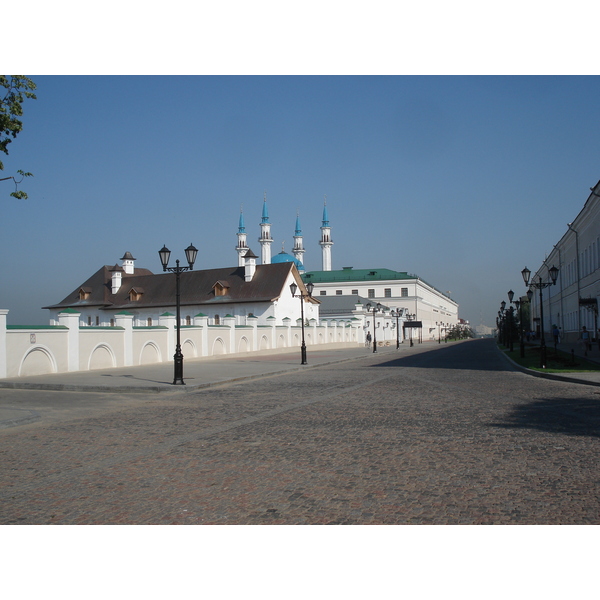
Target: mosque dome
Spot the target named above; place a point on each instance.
(283, 257)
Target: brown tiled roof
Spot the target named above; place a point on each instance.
(196, 287)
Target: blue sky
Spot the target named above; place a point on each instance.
(462, 180)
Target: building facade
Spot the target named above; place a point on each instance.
(394, 290)
(572, 303)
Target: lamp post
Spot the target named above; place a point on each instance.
(410, 318)
(309, 289)
(190, 255)
(540, 285)
(376, 307)
(397, 313)
(511, 318)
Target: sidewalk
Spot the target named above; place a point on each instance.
(197, 373)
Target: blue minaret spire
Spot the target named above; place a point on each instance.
(298, 249)
(242, 227)
(265, 213)
(326, 242)
(325, 215)
(242, 247)
(265, 238)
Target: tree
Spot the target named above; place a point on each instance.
(18, 87)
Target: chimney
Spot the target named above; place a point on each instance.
(117, 273)
(249, 264)
(128, 266)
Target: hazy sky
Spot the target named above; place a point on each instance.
(462, 180)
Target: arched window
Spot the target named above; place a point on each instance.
(149, 321)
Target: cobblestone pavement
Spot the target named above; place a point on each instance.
(438, 435)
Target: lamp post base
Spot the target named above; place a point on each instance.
(303, 354)
(178, 374)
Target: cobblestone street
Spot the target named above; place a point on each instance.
(446, 434)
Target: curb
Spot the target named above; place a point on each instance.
(553, 376)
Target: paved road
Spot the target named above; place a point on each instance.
(448, 434)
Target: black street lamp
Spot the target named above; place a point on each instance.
(376, 307)
(511, 318)
(309, 289)
(540, 285)
(397, 313)
(410, 318)
(190, 255)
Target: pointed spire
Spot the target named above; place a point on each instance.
(325, 215)
(265, 212)
(242, 228)
(298, 228)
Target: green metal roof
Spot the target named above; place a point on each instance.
(350, 274)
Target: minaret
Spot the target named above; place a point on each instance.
(298, 249)
(242, 247)
(265, 238)
(326, 242)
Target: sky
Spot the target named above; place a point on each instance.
(461, 180)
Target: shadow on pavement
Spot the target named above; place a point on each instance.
(566, 416)
(478, 355)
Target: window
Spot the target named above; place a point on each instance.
(221, 288)
(135, 294)
(355, 292)
(338, 292)
(323, 292)
(217, 320)
(388, 292)
(97, 321)
(112, 322)
(404, 292)
(149, 321)
(188, 320)
(89, 321)
(371, 294)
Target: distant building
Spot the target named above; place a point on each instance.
(394, 290)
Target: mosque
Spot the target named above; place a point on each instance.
(345, 293)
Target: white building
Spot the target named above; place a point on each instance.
(573, 302)
(396, 290)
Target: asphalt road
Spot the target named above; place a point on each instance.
(435, 434)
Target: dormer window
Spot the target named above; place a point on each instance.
(221, 288)
(135, 295)
(84, 293)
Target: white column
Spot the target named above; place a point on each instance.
(3, 353)
(229, 321)
(125, 320)
(168, 320)
(201, 320)
(70, 318)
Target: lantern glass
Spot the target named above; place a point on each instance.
(553, 274)
(164, 254)
(190, 254)
(511, 295)
(293, 288)
(310, 287)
